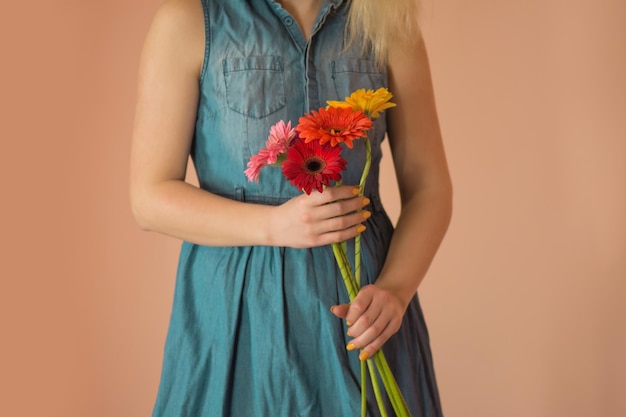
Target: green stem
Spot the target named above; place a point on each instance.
(353, 283)
(363, 389)
(344, 268)
(344, 251)
(344, 254)
(376, 386)
(346, 273)
(357, 260)
(393, 396)
(357, 239)
(368, 163)
(344, 245)
(391, 386)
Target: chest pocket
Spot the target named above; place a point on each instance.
(255, 85)
(351, 74)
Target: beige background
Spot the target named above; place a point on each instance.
(524, 301)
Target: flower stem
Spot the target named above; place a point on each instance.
(357, 239)
(346, 273)
(376, 386)
(344, 244)
(368, 163)
(363, 389)
(353, 283)
(391, 386)
(344, 268)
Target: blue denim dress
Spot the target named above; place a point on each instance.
(251, 334)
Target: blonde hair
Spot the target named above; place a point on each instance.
(378, 23)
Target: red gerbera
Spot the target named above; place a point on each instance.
(334, 125)
(311, 165)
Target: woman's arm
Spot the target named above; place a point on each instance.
(426, 197)
(168, 92)
(422, 171)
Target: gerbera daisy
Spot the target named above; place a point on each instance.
(369, 102)
(278, 140)
(256, 163)
(334, 125)
(312, 166)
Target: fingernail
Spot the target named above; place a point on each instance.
(364, 355)
(366, 214)
(366, 201)
(331, 309)
(348, 333)
(360, 229)
(349, 323)
(355, 191)
(351, 347)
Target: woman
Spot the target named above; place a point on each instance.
(251, 333)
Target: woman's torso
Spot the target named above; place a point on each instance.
(257, 69)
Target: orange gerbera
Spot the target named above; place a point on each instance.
(334, 126)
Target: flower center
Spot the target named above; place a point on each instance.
(314, 165)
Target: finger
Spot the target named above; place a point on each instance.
(364, 334)
(340, 208)
(339, 223)
(371, 348)
(337, 236)
(340, 310)
(369, 325)
(334, 194)
(375, 336)
(314, 208)
(361, 303)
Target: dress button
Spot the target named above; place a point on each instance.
(288, 21)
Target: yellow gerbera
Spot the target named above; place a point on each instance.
(370, 102)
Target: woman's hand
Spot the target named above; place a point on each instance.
(319, 218)
(373, 317)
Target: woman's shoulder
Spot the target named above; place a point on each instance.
(177, 32)
(181, 11)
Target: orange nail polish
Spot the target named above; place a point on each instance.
(355, 191)
(349, 323)
(361, 229)
(366, 214)
(366, 201)
(351, 347)
(364, 355)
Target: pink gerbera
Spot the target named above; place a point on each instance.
(334, 125)
(281, 135)
(312, 166)
(256, 163)
(278, 140)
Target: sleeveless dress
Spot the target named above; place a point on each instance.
(251, 333)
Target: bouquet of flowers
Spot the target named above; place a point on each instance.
(310, 157)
